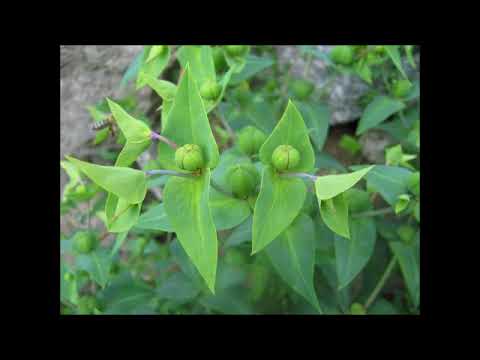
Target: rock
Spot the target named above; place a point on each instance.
(373, 144)
(88, 74)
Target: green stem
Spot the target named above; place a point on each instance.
(307, 65)
(167, 172)
(381, 282)
(373, 213)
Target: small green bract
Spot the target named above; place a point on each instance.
(285, 157)
(189, 157)
(243, 179)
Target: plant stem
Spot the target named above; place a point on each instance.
(373, 213)
(226, 126)
(381, 282)
(167, 172)
(300, 175)
(161, 138)
(307, 65)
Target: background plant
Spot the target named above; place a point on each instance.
(229, 229)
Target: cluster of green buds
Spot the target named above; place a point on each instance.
(285, 158)
(250, 139)
(243, 180)
(189, 157)
(84, 242)
(342, 54)
(302, 89)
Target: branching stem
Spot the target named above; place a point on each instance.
(163, 139)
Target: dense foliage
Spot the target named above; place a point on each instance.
(226, 199)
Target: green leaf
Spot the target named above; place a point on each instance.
(241, 234)
(68, 289)
(120, 214)
(135, 131)
(378, 111)
(363, 70)
(329, 186)
(178, 288)
(406, 255)
(119, 241)
(165, 89)
(74, 176)
(97, 264)
(279, 202)
(155, 218)
(316, 117)
(187, 123)
(155, 51)
(293, 257)
(353, 254)
(394, 54)
(402, 202)
(126, 183)
(237, 64)
(334, 213)
(186, 204)
(290, 130)
(209, 104)
(200, 60)
(409, 53)
(389, 181)
(254, 65)
(227, 212)
(153, 68)
(350, 144)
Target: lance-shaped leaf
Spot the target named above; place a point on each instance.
(279, 202)
(407, 255)
(74, 176)
(165, 89)
(154, 67)
(187, 123)
(316, 117)
(126, 183)
(135, 131)
(334, 213)
(290, 130)
(200, 61)
(394, 54)
(186, 204)
(329, 186)
(351, 255)
(378, 111)
(293, 257)
(211, 104)
(120, 214)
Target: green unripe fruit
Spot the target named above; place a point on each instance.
(357, 309)
(302, 89)
(236, 50)
(243, 180)
(250, 139)
(86, 305)
(342, 54)
(210, 90)
(84, 242)
(189, 157)
(379, 49)
(285, 157)
(401, 88)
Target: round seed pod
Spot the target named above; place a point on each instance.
(342, 54)
(285, 157)
(189, 157)
(243, 179)
(250, 139)
(210, 90)
(357, 309)
(84, 242)
(236, 50)
(401, 88)
(302, 89)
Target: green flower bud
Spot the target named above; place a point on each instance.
(250, 139)
(236, 50)
(342, 54)
(285, 157)
(302, 89)
(84, 242)
(189, 157)
(219, 60)
(68, 276)
(210, 90)
(401, 88)
(243, 179)
(357, 309)
(379, 49)
(86, 304)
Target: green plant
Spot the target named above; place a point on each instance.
(240, 209)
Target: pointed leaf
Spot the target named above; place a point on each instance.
(254, 64)
(394, 54)
(154, 67)
(334, 213)
(279, 202)
(186, 204)
(200, 59)
(329, 186)
(378, 111)
(407, 258)
(155, 218)
(187, 123)
(120, 214)
(155, 51)
(133, 69)
(353, 254)
(290, 130)
(126, 183)
(316, 117)
(134, 130)
(210, 105)
(165, 89)
(293, 257)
